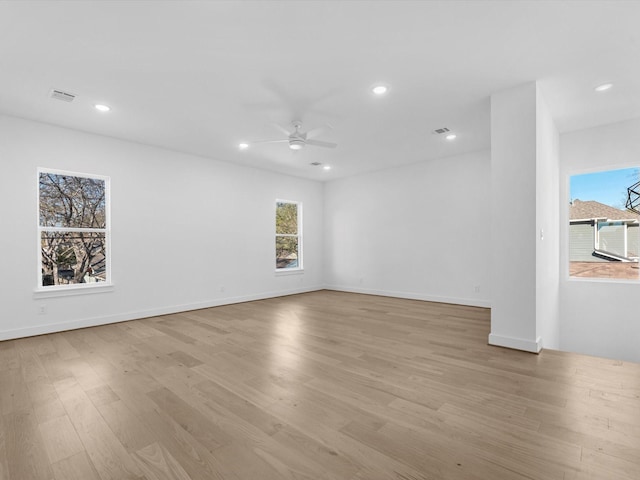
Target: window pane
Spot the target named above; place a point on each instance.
(287, 218)
(73, 202)
(286, 252)
(604, 225)
(73, 257)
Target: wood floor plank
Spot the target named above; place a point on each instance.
(60, 438)
(9, 358)
(131, 432)
(4, 472)
(200, 427)
(31, 366)
(26, 456)
(63, 348)
(56, 368)
(102, 395)
(45, 401)
(158, 464)
(194, 458)
(14, 395)
(107, 454)
(76, 467)
(319, 386)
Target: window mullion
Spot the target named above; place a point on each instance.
(72, 229)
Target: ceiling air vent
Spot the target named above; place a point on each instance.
(64, 96)
(315, 164)
(440, 131)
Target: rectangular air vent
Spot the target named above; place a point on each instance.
(440, 131)
(315, 164)
(64, 96)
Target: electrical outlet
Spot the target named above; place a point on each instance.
(42, 310)
(222, 289)
(476, 289)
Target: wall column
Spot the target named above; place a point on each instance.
(520, 210)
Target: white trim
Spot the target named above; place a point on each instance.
(516, 343)
(630, 281)
(58, 171)
(565, 216)
(73, 229)
(283, 272)
(135, 315)
(299, 235)
(469, 302)
(80, 288)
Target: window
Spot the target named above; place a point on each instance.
(604, 225)
(288, 235)
(73, 229)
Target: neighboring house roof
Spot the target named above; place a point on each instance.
(589, 209)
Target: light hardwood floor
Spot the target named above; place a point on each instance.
(324, 385)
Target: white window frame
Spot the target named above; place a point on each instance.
(568, 175)
(300, 267)
(78, 288)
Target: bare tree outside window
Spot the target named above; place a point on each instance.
(288, 235)
(73, 230)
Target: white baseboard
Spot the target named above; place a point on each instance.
(126, 316)
(516, 343)
(471, 302)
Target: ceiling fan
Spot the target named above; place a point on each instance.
(298, 139)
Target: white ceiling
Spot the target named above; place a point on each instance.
(200, 77)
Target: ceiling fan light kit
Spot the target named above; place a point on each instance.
(296, 143)
(297, 139)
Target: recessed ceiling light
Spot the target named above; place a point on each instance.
(604, 87)
(380, 89)
(102, 108)
(243, 146)
(327, 167)
(451, 136)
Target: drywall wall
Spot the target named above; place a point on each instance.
(548, 226)
(418, 231)
(187, 232)
(525, 253)
(513, 214)
(598, 317)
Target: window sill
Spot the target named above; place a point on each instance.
(289, 271)
(52, 292)
(603, 280)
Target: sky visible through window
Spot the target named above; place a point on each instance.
(608, 187)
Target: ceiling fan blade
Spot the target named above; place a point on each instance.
(280, 128)
(317, 131)
(269, 141)
(320, 143)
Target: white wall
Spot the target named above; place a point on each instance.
(419, 231)
(597, 317)
(525, 221)
(548, 226)
(183, 228)
(513, 212)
